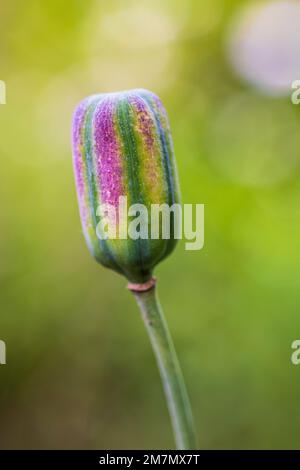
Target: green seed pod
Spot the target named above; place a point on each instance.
(123, 153)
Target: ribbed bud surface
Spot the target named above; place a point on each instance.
(122, 146)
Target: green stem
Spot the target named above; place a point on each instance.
(172, 379)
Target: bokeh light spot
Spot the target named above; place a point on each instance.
(263, 45)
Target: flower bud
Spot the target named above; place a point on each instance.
(123, 155)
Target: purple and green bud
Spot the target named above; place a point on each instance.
(123, 147)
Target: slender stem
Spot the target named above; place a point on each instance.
(172, 379)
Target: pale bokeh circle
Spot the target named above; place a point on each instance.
(264, 45)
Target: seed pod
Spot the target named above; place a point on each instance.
(122, 147)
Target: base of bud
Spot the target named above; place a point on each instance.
(143, 287)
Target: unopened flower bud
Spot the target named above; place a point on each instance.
(123, 156)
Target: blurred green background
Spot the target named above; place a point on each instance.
(80, 371)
